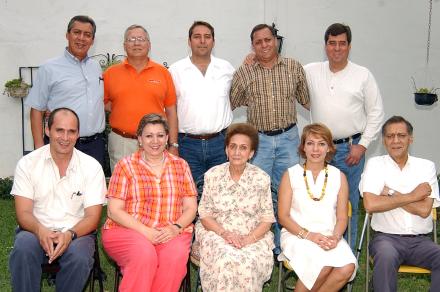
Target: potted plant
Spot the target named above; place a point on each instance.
(16, 88)
(424, 95)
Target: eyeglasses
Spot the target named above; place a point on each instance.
(132, 40)
(400, 136)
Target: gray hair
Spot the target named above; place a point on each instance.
(153, 119)
(134, 26)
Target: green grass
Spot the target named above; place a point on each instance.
(8, 224)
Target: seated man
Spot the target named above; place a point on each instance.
(400, 191)
(59, 192)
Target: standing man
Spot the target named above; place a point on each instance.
(345, 97)
(59, 192)
(270, 88)
(202, 84)
(134, 88)
(72, 80)
(400, 191)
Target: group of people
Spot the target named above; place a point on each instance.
(250, 173)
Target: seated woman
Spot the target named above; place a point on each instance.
(313, 209)
(235, 217)
(151, 205)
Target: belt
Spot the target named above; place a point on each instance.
(345, 140)
(204, 136)
(278, 131)
(403, 235)
(88, 139)
(124, 134)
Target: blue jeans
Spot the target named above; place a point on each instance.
(27, 256)
(353, 174)
(275, 155)
(201, 155)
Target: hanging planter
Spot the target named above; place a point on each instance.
(425, 98)
(16, 88)
(423, 95)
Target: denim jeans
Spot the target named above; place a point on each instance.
(353, 174)
(28, 255)
(201, 155)
(275, 155)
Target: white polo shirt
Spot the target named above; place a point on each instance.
(348, 101)
(383, 171)
(59, 203)
(203, 105)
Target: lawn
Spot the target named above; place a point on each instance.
(8, 224)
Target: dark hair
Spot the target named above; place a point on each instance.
(153, 119)
(260, 27)
(243, 129)
(397, 120)
(336, 29)
(83, 19)
(202, 23)
(319, 130)
(54, 112)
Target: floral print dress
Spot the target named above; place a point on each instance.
(238, 207)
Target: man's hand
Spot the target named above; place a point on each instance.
(62, 241)
(250, 59)
(355, 155)
(173, 150)
(45, 236)
(422, 191)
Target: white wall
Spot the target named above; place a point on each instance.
(389, 37)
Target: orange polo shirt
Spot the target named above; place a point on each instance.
(133, 95)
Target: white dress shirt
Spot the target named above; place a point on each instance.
(59, 202)
(348, 101)
(203, 105)
(383, 171)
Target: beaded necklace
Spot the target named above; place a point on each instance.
(323, 187)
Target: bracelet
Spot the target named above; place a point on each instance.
(302, 233)
(308, 232)
(337, 235)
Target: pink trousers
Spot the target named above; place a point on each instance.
(144, 266)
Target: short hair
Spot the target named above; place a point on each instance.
(55, 111)
(319, 130)
(200, 23)
(83, 19)
(242, 129)
(134, 26)
(152, 119)
(397, 120)
(336, 29)
(260, 27)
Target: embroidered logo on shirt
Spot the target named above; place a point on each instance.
(154, 81)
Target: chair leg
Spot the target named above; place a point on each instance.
(198, 283)
(117, 278)
(280, 274)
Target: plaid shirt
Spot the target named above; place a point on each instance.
(154, 202)
(270, 94)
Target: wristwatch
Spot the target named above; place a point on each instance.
(175, 145)
(74, 235)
